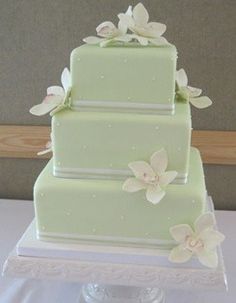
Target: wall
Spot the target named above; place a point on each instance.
(36, 40)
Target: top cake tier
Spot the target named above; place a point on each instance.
(124, 78)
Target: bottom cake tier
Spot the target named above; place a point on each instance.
(99, 210)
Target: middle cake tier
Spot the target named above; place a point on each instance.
(102, 144)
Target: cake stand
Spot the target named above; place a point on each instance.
(110, 274)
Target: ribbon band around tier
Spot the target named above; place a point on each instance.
(103, 173)
(130, 107)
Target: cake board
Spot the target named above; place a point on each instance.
(128, 271)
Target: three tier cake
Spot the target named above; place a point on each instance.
(123, 171)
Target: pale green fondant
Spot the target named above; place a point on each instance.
(99, 208)
(124, 74)
(98, 140)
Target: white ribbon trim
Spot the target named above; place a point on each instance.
(107, 106)
(103, 173)
(111, 239)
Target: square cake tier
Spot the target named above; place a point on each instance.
(96, 144)
(124, 77)
(99, 210)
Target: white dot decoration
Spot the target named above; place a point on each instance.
(129, 98)
(193, 201)
(78, 59)
(153, 78)
(109, 125)
(58, 124)
(168, 218)
(111, 165)
(147, 234)
(68, 213)
(179, 148)
(94, 196)
(169, 99)
(43, 228)
(102, 77)
(125, 60)
(58, 163)
(94, 230)
(42, 194)
(122, 218)
(133, 147)
(84, 146)
(156, 127)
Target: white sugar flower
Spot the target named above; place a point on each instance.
(143, 31)
(185, 93)
(201, 242)
(109, 33)
(57, 97)
(47, 150)
(153, 177)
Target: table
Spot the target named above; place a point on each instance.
(15, 216)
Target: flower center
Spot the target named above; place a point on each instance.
(150, 180)
(193, 244)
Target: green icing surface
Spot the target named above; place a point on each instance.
(98, 208)
(112, 140)
(124, 74)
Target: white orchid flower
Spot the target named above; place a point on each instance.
(143, 31)
(109, 33)
(202, 241)
(185, 93)
(153, 177)
(47, 150)
(57, 97)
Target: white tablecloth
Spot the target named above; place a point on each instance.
(15, 217)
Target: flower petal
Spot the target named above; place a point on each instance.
(122, 26)
(126, 20)
(129, 11)
(180, 232)
(179, 255)
(156, 28)
(142, 170)
(181, 78)
(55, 90)
(201, 102)
(208, 258)
(66, 79)
(159, 161)
(107, 29)
(57, 109)
(204, 221)
(142, 40)
(42, 109)
(154, 194)
(132, 185)
(106, 42)
(124, 38)
(92, 40)
(158, 41)
(167, 177)
(43, 152)
(140, 15)
(194, 92)
(53, 99)
(49, 144)
(211, 238)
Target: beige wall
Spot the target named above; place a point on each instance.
(36, 40)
